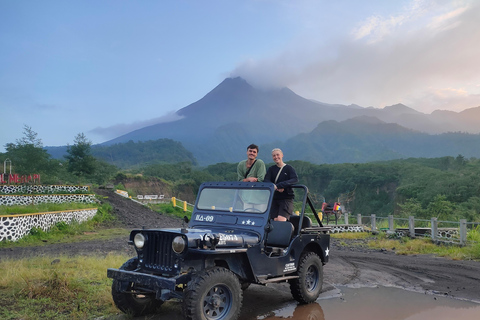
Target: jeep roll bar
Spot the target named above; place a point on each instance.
(306, 199)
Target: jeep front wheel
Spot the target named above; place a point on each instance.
(307, 287)
(214, 294)
(129, 299)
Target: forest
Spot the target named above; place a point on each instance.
(446, 187)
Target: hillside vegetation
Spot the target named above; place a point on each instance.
(445, 187)
(133, 154)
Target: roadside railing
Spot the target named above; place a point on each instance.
(437, 230)
(182, 204)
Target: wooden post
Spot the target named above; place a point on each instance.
(359, 219)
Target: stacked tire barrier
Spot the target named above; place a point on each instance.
(347, 228)
(29, 189)
(15, 226)
(25, 200)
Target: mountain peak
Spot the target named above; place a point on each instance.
(217, 127)
(399, 109)
(222, 94)
(237, 84)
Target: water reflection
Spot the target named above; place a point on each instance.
(305, 312)
(379, 303)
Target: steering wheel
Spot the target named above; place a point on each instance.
(252, 210)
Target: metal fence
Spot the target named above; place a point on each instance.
(437, 230)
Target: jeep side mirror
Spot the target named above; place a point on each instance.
(185, 220)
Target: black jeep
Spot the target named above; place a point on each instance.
(230, 243)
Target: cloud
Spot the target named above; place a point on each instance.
(385, 60)
(445, 99)
(444, 21)
(121, 129)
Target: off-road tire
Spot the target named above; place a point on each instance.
(129, 302)
(214, 294)
(307, 287)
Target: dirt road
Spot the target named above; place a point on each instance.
(354, 266)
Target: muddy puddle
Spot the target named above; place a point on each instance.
(383, 303)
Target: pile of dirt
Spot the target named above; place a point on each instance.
(131, 214)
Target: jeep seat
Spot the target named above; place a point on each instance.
(295, 220)
(280, 234)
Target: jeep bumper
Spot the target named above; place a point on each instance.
(163, 287)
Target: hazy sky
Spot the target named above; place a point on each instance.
(108, 67)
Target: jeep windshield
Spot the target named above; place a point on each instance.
(234, 200)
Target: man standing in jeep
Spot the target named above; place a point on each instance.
(251, 169)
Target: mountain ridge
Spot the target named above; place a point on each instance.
(219, 126)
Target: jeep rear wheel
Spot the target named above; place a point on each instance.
(132, 301)
(307, 287)
(213, 294)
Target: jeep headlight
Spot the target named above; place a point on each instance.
(139, 240)
(179, 244)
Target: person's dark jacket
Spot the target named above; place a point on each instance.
(287, 177)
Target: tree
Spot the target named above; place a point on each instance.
(80, 162)
(27, 154)
(440, 207)
(460, 161)
(411, 207)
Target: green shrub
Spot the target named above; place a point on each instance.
(61, 226)
(168, 208)
(104, 214)
(120, 186)
(36, 232)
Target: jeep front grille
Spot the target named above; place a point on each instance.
(158, 254)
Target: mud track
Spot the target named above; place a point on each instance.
(351, 264)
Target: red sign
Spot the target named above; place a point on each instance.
(15, 178)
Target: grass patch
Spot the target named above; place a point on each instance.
(426, 246)
(169, 209)
(47, 238)
(474, 235)
(63, 288)
(44, 207)
(408, 246)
